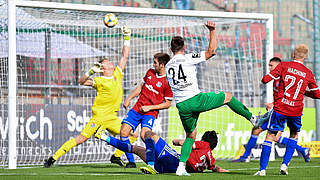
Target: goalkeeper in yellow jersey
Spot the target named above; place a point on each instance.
(107, 102)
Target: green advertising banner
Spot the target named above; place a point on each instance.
(233, 129)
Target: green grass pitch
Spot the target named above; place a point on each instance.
(298, 169)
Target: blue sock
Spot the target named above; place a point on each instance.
(119, 144)
(251, 143)
(265, 154)
(291, 146)
(300, 149)
(150, 151)
(129, 155)
(283, 140)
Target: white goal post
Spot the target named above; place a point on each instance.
(243, 57)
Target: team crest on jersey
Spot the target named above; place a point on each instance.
(159, 84)
(115, 79)
(93, 125)
(195, 55)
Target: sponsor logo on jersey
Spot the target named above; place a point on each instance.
(195, 55)
(150, 87)
(159, 84)
(149, 77)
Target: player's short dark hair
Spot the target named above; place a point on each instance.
(275, 59)
(163, 58)
(210, 137)
(177, 44)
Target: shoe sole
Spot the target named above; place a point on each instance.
(144, 171)
(282, 172)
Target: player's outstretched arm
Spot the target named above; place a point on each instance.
(126, 46)
(84, 80)
(164, 105)
(177, 142)
(213, 44)
(219, 169)
(136, 92)
(313, 94)
(274, 74)
(313, 89)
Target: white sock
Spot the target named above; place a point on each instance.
(182, 164)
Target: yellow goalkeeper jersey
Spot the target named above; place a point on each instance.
(109, 95)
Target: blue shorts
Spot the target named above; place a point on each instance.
(167, 159)
(266, 117)
(134, 119)
(277, 122)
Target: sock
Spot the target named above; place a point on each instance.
(186, 149)
(300, 149)
(119, 144)
(64, 148)
(129, 155)
(251, 143)
(265, 154)
(118, 153)
(283, 140)
(182, 164)
(150, 151)
(291, 146)
(237, 107)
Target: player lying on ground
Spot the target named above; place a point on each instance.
(295, 78)
(154, 94)
(107, 102)
(182, 78)
(264, 122)
(161, 158)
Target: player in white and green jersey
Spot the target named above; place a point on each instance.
(182, 78)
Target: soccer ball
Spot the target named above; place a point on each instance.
(110, 20)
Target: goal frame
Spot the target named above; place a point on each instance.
(12, 83)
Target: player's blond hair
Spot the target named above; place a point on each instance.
(301, 51)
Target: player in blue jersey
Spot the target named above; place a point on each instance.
(161, 158)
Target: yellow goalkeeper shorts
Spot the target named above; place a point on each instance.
(112, 123)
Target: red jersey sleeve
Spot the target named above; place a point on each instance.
(273, 74)
(313, 88)
(168, 92)
(198, 144)
(145, 77)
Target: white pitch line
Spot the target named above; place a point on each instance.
(56, 174)
(84, 174)
(290, 167)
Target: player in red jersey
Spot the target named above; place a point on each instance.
(161, 158)
(263, 123)
(288, 105)
(201, 157)
(155, 94)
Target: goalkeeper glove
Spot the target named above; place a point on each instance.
(95, 69)
(126, 32)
